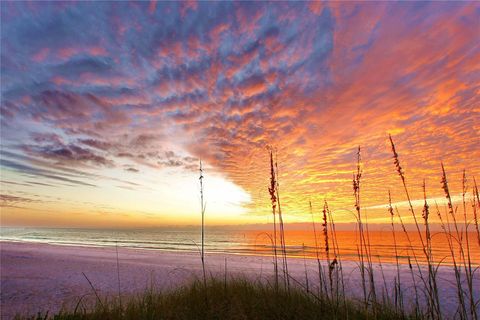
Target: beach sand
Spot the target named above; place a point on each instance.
(42, 277)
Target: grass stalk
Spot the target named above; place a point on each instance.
(203, 207)
(456, 265)
(398, 293)
(468, 263)
(94, 290)
(327, 248)
(431, 272)
(282, 229)
(273, 199)
(118, 275)
(476, 208)
(320, 271)
(356, 191)
(337, 259)
(305, 267)
(432, 289)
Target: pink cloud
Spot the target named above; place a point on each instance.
(68, 52)
(152, 6)
(187, 5)
(41, 55)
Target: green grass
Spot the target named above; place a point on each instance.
(236, 299)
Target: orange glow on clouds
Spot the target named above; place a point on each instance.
(104, 120)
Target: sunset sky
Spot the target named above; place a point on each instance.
(107, 108)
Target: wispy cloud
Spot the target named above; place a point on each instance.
(115, 87)
(33, 171)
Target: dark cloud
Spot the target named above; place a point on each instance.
(64, 106)
(34, 171)
(8, 110)
(9, 201)
(125, 155)
(86, 84)
(171, 163)
(145, 140)
(27, 183)
(183, 71)
(41, 137)
(98, 144)
(44, 163)
(174, 160)
(15, 183)
(182, 99)
(169, 154)
(69, 154)
(78, 66)
(190, 159)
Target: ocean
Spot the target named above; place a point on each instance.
(299, 243)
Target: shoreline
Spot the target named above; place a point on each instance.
(345, 258)
(40, 277)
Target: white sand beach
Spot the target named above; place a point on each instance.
(40, 277)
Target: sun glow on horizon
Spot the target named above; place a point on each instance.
(104, 116)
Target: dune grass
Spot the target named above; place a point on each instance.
(234, 299)
(286, 298)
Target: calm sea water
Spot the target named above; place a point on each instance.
(252, 242)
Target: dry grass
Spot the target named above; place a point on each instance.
(423, 268)
(235, 299)
(327, 299)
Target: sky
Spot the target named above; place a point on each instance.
(108, 107)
